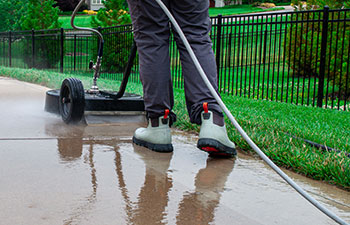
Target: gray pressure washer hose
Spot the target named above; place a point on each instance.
(239, 128)
(97, 66)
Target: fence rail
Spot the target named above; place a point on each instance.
(294, 57)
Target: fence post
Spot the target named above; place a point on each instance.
(33, 48)
(218, 45)
(265, 47)
(10, 55)
(323, 56)
(62, 50)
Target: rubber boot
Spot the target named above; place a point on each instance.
(213, 138)
(157, 135)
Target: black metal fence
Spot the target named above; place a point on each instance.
(293, 57)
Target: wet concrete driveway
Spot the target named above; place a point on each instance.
(51, 173)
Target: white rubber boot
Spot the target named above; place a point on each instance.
(157, 138)
(213, 138)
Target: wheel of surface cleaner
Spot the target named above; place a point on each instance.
(72, 100)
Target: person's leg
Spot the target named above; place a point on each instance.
(151, 34)
(193, 18)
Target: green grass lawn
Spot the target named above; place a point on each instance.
(238, 9)
(80, 20)
(269, 124)
(85, 20)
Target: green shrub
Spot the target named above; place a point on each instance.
(117, 44)
(116, 50)
(303, 46)
(304, 63)
(47, 49)
(11, 12)
(41, 15)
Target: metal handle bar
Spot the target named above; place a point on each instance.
(97, 66)
(83, 28)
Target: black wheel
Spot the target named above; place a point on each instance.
(72, 100)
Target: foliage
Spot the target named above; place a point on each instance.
(116, 48)
(40, 15)
(303, 45)
(333, 4)
(11, 12)
(315, 4)
(114, 13)
(116, 51)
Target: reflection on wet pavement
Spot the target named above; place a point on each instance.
(206, 197)
(51, 173)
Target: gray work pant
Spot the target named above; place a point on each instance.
(151, 33)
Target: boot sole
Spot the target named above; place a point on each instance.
(215, 148)
(154, 147)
